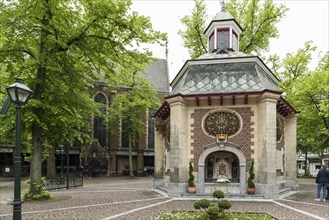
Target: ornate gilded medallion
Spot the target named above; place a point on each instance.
(222, 123)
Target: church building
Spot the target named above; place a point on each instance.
(225, 110)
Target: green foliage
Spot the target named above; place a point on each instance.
(131, 106)
(194, 39)
(218, 194)
(258, 19)
(178, 215)
(213, 210)
(251, 177)
(61, 48)
(202, 204)
(42, 192)
(307, 92)
(224, 204)
(191, 176)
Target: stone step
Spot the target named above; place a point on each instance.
(162, 188)
(285, 191)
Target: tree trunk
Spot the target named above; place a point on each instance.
(36, 153)
(307, 171)
(36, 160)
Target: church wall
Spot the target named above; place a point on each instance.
(244, 138)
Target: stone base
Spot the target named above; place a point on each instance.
(176, 189)
(269, 191)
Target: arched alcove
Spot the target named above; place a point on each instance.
(217, 148)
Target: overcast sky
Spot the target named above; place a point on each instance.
(305, 20)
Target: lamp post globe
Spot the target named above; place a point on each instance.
(19, 94)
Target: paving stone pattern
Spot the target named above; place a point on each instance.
(122, 199)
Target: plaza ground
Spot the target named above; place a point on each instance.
(121, 198)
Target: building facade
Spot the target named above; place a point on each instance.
(108, 152)
(224, 111)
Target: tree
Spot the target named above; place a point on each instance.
(258, 21)
(308, 92)
(194, 39)
(131, 106)
(60, 47)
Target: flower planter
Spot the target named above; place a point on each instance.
(251, 191)
(191, 190)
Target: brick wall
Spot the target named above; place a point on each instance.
(242, 139)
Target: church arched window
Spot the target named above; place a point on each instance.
(99, 120)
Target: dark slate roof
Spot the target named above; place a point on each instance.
(224, 78)
(157, 74)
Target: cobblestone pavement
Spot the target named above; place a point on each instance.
(122, 199)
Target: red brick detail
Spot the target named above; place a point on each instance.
(242, 139)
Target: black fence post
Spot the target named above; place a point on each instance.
(66, 148)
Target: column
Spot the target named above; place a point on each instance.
(265, 163)
(179, 155)
(290, 147)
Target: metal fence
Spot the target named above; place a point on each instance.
(63, 182)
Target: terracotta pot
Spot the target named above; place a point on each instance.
(251, 190)
(191, 190)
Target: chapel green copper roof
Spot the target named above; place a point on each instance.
(224, 78)
(223, 15)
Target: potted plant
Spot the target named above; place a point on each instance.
(191, 185)
(251, 188)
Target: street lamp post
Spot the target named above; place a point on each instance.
(19, 94)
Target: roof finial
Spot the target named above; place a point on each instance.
(222, 4)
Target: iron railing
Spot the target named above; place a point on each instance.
(63, 182)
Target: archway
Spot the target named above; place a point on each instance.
(219, 151)
(222, 164)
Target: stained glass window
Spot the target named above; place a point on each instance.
(99, 120)
(150, 133)
(223, 38)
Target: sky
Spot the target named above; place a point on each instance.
(306, 20)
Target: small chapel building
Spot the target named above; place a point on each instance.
(225, 110)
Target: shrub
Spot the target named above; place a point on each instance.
(218, 194)
(191, 176)
(224, 204)
(43, 193)
(203, 203)
(251, 177)
(213, 212)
